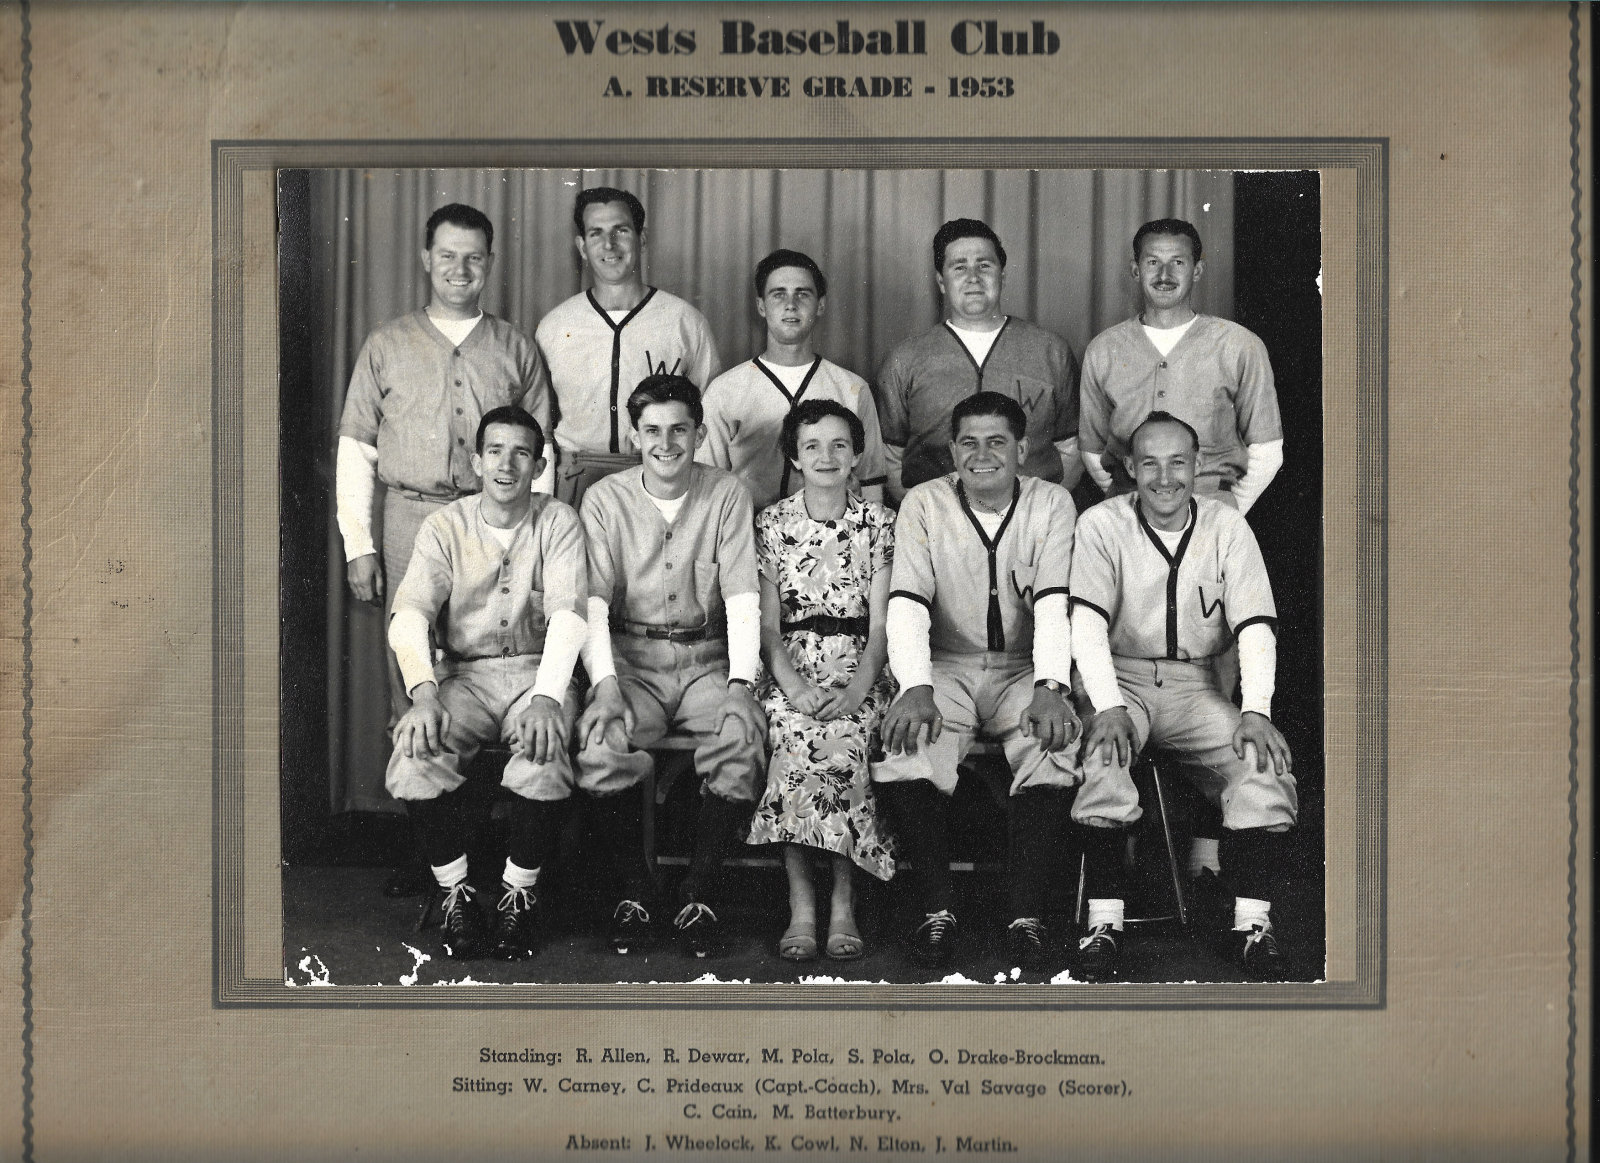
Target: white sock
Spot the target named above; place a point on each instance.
(517, 877)
(1249, 913)
(1203, 855)
(452, 874)
(1105, 911)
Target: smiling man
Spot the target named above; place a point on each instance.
(745, 406)
(977, 348)
(1211, 373)
(499, 581)
(674, 645)
(1162, 582)
(602, 342)
(980, 644)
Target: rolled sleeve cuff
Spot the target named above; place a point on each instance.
(906, 627)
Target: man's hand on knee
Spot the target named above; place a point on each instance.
(739, 704)
(1050, 720)
(607, 717)
(912, 711)
(366, 578)
(1111, 736)
(1258, 729)
(540, 731)
(421, 730)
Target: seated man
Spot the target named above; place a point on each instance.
(1162, 581)
(745, 405)
(979, 641)
(674, 644)
(501, 578)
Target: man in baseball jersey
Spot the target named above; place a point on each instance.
(603, 342)
(419, 387)
(1210, 373)
(499, 580)
(976, 348)
(980, 644)
(745, 406)
(1162, 581)
(674, 644)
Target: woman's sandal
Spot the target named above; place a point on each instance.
(844, 943)
(799, 942)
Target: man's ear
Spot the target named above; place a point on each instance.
(1022, 450)
(477, 466)
(699, 436)
(539, 465)
(1199, 269)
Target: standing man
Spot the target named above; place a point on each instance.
(1162, 582)
(977, 348)
(1210, 373)
(604, 341)
(420, 386)
(500, 580)
(746, 405)
(979, 641)
(674, 644)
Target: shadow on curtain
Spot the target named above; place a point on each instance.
(349, 261)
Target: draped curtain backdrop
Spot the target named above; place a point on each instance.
(350, 255)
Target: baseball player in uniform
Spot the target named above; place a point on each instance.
(1210, 373)
(980, 643)
(977, 348)
(674, 644)
(419, 387)
(603, 342)
(499, 580)
(1162, 581)
(745, 406)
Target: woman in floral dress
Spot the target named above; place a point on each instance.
(825, 557)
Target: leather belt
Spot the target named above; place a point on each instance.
(431, 498)
(827, 624)
(666, 633)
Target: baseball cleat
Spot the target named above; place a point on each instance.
(934, 940)
(515, 924)
(1026, 942)
(630, 927)
(699, 930)
(465, 936)
(1097, 954)
(1258, 953)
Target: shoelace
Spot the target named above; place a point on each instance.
(458, 895)
(1098, 933)
(632, 911)
(1032, 929)
(693, 913)
(516, 900)
(1262, 936)
(938, 924)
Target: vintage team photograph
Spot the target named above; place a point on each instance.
(801, 576)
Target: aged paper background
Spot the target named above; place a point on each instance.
(1475, 1046)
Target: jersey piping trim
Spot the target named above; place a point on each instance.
(794, 400)
(1050, 592)
(997, 629)
(976, 366)
(1075, 601)
(918, 598)
(616, 356)
(1174, 560)
(1268, 619)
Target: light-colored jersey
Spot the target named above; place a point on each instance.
(1217, 379)
(496, 600)
(1187, 603)
(745, 408)
(980, 589)
(596, 362)
(417, 397)
(677, 575)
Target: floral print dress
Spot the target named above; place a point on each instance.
(818, 791)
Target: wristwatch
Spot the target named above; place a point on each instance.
(1052, 686)
(744, 682)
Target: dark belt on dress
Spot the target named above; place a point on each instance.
(665, 633)
(826, 624)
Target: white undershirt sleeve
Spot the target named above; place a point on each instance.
(597, 659)
(563, 639)
(744, 637)
(355, 480)
(1052, 639)
(1071, 462)
(1264, 461)
(1258, 668)
(546, 483)
(408, 638)
(1092, 651)
(910, 657)
(1097, 471)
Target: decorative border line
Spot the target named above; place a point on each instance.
(27, 583)
(1575, 562)
(1367, 157)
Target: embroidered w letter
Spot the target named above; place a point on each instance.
(1207, 610)
(661, 369)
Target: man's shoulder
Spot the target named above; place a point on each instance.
(550, 512)
(1021, 328)
(916, 346)
(403, 328)
(932, 496)
(502, 332)
(827, 370)
(732, 380)
(666, 303)
(1228, 330)
(1113, 337)
(613, 492)
(450, 520)
(1040, 492)
(564, 314)
(1221, 516)
(718, 485)
(1110, 516)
